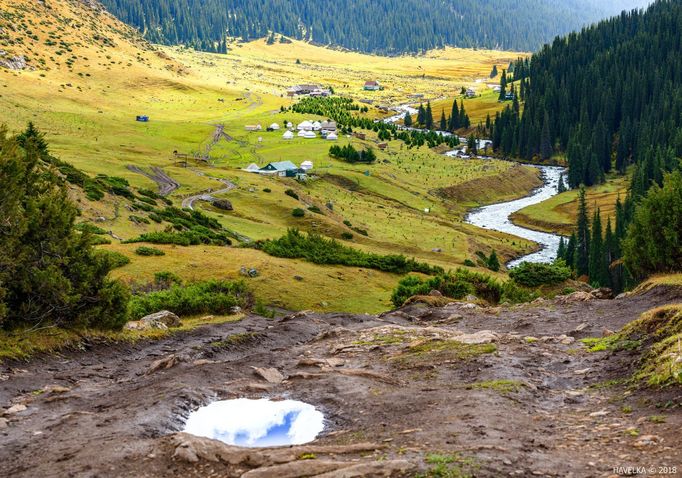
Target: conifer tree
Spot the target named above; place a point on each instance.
(503, 86)
(454, 117)
(494, 72)
(582, 244)
(443, 121)
(571, 250)
(428, 117)
(545, 140)
(408, 119)
(421, 115)
(596, 259)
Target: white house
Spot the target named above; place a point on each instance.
(317, 126)
(305, 126)
(252, 168)
(288, 135)
(328, 126)
(307, 165)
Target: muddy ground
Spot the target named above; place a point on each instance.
(395, 389)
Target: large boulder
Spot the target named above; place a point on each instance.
(162, 320)
(223, 204)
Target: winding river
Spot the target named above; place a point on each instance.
(497, 218)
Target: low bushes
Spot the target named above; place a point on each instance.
(530, 274)
(460, 283)
(291, 193)
(319, 250)
(149, 251)
(209, 297)
(298, 212)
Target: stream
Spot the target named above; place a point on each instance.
(497, 218)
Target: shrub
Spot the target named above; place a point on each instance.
(89, 228)
(149, 251)
(315, 209)
(209, 297)
(166, 277)
(319, 250)
(298, 212)
(456, 285)
(113, 258)
(534, 275)
(184, 238)
(291, 193)
(469, 263)
(347, 236)
(267, 190)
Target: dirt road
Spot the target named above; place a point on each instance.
(165, 183)
(501, 392)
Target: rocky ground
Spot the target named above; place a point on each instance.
(454, 391)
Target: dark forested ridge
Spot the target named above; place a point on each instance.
(610, 98)
(380, 26)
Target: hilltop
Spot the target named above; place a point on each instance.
(381, 26)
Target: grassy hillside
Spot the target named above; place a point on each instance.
(88, 76)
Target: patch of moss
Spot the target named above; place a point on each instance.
(448, 466)
(235, 339)
(499, 386)
(437, 352)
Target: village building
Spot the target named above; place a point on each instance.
(328, 126)
(332, 136)
(317, 126)
(274, 127)
(288, 135)
(470, 93)
(253, 127)
(302, 90)
(382, 146)
(307, 165)
(372, 86)
(252, 168)
(360, 135)
(280, 168)
(305, 126)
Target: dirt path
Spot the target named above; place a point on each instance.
(188, 202)
(165, 183)
(394, 389)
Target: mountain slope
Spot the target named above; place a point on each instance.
(380, 26)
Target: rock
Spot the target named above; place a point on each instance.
(469, 306)
(607, 332)
(298, 278)
(480, 337)
(600, 413)
(270, 375)
(15, 63)
(603, 293)
(235, 310)
(539, 300)
(437, 249)
(581, 371)
(56, 389)
(435, 293)
(19, 407)
(579, 296)
(471, 298)
(138, 325)
(165, 363)
(223, 204)
(565, 340)
(163, 318)
(3, 423)
(647, 440)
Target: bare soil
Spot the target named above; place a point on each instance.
(525, 399)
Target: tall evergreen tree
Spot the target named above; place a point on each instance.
(443, 121)
(428, 117)
(582, 244)
(596, 259)
(408, 119)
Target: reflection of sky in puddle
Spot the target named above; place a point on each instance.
(257, 423)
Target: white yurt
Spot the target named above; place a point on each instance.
(302, 133)
(332, 137)
(252, 168)
(290, 125)
(317, 126)
(309, 135)
(274, 126)
(307, 165)
(305, 126)
(288, 135)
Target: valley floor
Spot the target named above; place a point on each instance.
(416, 390)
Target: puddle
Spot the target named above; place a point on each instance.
(257, 423)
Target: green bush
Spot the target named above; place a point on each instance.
(115, 259)
(347, 236)
(531, 274)
(469, 263)
(319, 250)
(457, 285)
(267, 190)
(298, 212)
(89, 228)
(315, 209)
(183, 238)
(291, 193)
(209, 297)
(149, 251)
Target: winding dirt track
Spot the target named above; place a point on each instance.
(115, 410)
(165, 183)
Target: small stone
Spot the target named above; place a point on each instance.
(19, 407)
(581, 371)
(600, 413)
(435, 293)
(270, 375)
(235, 310)
(3, 423)
(647, 440)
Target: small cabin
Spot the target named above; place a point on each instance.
(362, 136)
(372, 86)
(142, 118)
(382, 146)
